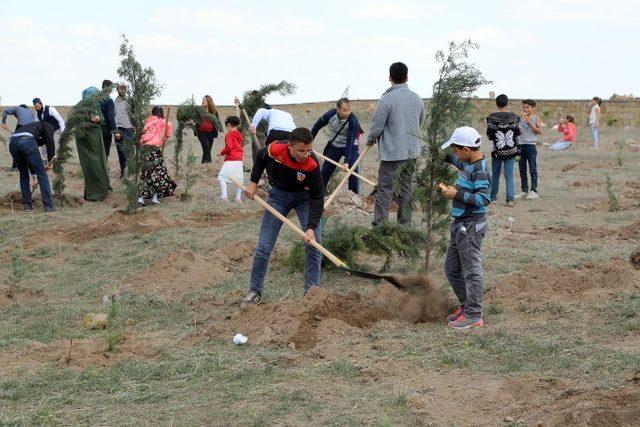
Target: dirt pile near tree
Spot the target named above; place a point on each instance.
(303, 324)
(619, 407)
(543, 283)
(11, 294)
(184, 271)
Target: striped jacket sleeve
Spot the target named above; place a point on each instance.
(481, 193)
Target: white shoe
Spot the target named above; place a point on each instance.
(523, 195)
(532, 195)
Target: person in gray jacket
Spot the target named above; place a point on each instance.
(395, 125)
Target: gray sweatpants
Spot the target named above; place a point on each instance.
(463, 263)
(394, 175)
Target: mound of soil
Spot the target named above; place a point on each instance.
(183, 270)
(17, 294)
(542, 283)
(348, 201)
(115, 223)
(303, 324)
(631, 232)
(84, 353)
(620, 407)
(15, 197)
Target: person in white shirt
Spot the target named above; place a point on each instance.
(594, 119)
(47, 113)
(280, 123)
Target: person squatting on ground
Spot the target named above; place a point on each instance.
(232, 153)
(296, 183)
(280, 123)
(503, 132)
(594, 119)
(122, 106)
(568, 130)
(155, 178)
(529, 131)
(23, 146)
(49, 114)
(207, 131)
(24, 117)
(344, 132)
(470, 196)
(396, 126)
(108, 125)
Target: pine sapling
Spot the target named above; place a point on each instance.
(620, 152)
(142, 87)
(449, 108)
(189, 176)
(613, 200)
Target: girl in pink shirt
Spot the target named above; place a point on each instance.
(568, 129)
(156, 180)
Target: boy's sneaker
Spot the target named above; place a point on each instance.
(510, 204)
(462, 323)
(252, 298)
(523, 195)
(532, 195)
(453, 316)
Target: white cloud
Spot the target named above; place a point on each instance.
(395, 11)
(487, 36)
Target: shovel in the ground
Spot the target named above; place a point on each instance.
(334, 259)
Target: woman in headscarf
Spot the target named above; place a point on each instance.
(156, 181)
(93, 159)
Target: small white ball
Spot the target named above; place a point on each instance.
(239, 339)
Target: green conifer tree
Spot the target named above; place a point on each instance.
(142, 87)
(450, 107)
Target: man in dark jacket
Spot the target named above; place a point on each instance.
(49, 114)
(23, 146)
(109, 127)
(344, 130)
(296, 183)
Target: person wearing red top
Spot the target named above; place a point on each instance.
(208, 131)
(232, 153)
(568, 129)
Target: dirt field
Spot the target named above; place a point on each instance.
(560, 346)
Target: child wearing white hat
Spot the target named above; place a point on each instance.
(470, 197)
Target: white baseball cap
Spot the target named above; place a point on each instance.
(465, 136)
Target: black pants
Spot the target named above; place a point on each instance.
(107, 138)
(206, 141)
(122, 157)
(277, 135)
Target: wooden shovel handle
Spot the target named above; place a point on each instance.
(256, 143)
(334, 259)
(346, 177)
(343, 167)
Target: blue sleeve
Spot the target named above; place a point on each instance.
(111, 115)
(450, 158)
(322, 122)
(351, 152)
(6, 112)
(481, 194)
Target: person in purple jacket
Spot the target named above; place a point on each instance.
(344, 132)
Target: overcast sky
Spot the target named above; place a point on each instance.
(539, 49)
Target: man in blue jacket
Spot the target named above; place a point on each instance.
(109, 127)
(344, 129)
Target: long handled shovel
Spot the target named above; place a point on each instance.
(334, 259)
(344, 168)
(346, 177)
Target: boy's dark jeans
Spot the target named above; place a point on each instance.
(335, 154)
(463, 263)
(528, 155)
(26, 155)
